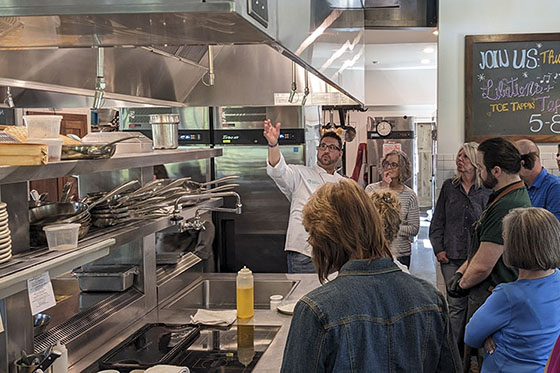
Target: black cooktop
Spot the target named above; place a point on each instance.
(234, 349)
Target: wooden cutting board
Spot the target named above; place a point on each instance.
(13, 154)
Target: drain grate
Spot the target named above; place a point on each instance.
(83, 321)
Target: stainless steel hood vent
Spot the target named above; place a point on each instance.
(58, 36)
(407, 13)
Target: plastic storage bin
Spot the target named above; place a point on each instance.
(42, 125)
(62, 236)
(54, 146)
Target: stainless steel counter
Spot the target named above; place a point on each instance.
(270, 361)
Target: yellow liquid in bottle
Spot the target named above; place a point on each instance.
(245, 303)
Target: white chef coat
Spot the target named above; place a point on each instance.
(298, 183)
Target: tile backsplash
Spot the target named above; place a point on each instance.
(445, 167)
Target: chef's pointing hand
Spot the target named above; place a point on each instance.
(271, 132)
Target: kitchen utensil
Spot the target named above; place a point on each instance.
(107, 278)
(65, 195)
(122, 188)
(40, 322)
(35, 363)
(349, 134)
(47, 362)
(349, 131)
(67, 212)
(165, 131)
(91, 151)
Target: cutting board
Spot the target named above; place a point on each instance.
(13, 154)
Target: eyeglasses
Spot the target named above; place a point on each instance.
(386, 164)
(331, 148)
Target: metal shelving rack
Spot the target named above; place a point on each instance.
(99, 244)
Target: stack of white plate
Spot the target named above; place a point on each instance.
(5, 237)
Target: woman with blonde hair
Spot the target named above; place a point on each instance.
(460, 204)
(396, 170)
(519, 322)
(355, 322)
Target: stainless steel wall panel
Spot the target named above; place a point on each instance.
(260, 230)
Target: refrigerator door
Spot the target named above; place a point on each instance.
(256, 237)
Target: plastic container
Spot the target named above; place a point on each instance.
(62, 236)
(245, 293)
(60, 365)
(42, 125)
(275, 301)
(54, 146)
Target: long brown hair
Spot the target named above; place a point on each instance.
(389, 207)
(343, 223)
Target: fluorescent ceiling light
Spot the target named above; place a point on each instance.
(425, 61)
(428, 50)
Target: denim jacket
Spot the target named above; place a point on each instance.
(372, 318)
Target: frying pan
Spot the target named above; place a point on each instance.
(91, 151)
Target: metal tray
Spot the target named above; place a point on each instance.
(107, 278)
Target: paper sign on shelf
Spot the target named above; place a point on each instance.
(1, 324)
(390, 146)
(41, 294)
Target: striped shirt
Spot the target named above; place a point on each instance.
(410, 219)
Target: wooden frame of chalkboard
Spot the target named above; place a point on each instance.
(512, 87)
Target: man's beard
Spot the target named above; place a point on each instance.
(328, 162)
(490, 181)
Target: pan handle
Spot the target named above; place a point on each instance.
(115, 191)
(220, 180)
(220, 188)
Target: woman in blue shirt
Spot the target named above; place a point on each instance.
(519, 323)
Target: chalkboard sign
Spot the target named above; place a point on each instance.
(513, 87)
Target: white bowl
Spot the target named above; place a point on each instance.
(6, 250)
(5, 259)
(5, 254)
(4, 233)
(5, 245)
(5, 239)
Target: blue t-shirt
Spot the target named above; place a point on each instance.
(545, 192)
(524, 319)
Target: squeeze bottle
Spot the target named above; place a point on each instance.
(60, 365)
(245, 293)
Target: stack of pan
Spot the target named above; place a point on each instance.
(57, 213)
(106, 215)
(153, 200)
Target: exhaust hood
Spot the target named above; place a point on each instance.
(156, 51)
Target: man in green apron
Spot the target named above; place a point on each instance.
(499, 162)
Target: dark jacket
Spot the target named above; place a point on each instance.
(454, 216)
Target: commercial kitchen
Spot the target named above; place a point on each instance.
(171, 212)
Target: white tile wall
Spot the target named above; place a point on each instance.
(445, 167)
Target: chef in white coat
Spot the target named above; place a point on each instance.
(298, 182)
